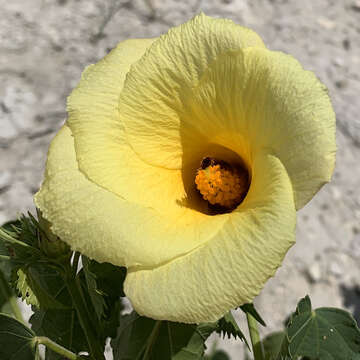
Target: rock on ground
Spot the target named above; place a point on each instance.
(45, 44)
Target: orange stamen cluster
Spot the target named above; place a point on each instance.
(219, 186)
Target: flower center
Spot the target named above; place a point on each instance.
(221, 184)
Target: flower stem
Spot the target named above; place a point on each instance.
(94, 344)
(56, 347)
(152, 339)
(257, 346)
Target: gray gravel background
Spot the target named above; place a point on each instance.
(45, 44)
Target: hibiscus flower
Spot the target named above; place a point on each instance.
(185, 158)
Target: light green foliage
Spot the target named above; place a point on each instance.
(325, 333)
(40, 286)
(320, 334)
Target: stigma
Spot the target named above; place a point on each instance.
(221, 184)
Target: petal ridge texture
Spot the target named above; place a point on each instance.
(106, 227)
(231, 268)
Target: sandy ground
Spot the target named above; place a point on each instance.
(45, 44)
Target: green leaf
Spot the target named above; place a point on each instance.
(139, 338)
(41, 286)
(24, 230)
(227, 326)
(58, 321)
(35, 277)
(24, 239)
(6, 269)
(16, 340)
(272, 345)
(5, 265)
(249, 308)
(5, 276)
(5, 291)
(61, 326)
(110, 324)
(104, 286)
(24, 288)
(134, 332)
(187, 341)
(20, 239)
(6, 309)
(10, 225)
(324, 333)
(96, 295)
(109, 278)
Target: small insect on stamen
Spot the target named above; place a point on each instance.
(221, 184)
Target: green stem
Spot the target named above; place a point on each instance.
(257, 346)
(152, 339)
(56, 347)
(96, 351)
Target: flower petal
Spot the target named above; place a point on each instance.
(102, 151)
(150, 104)
(106, 227)
(255, 100)
(101, 147)
(232, 267)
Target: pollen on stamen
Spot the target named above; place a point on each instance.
(221, 184)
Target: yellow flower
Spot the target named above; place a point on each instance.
(185, 158)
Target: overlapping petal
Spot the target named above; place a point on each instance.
(106, 227)
(96, 119)
(119, 184)
(257, 99)
(102, 151)
(232, 267)
(150, 104)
